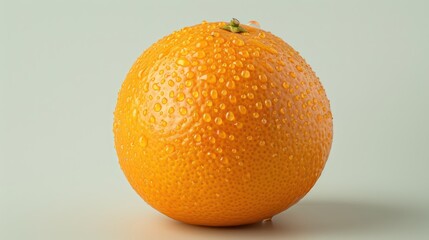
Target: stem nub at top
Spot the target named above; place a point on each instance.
(234, 26)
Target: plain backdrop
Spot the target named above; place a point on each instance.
(63, 62)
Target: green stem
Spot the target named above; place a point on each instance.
(234, 26)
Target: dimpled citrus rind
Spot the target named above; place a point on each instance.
(220, 129)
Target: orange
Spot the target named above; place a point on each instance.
(222, 125)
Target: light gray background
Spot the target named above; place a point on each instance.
(62, 64)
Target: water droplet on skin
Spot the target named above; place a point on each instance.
(255, 115)
(230, 84)
(239, 42)
(238, 63)
(180, 97)
(250, 138)
(250, 95)
(232, 99)
(183, 111)
(215, 34)
(231, 58)
(190, 75)
(171, 94)
(220, 40)
(155, 86)
(299, 68)
(264, 121)
(163, 123)
(285, 85)
(218, 120)
(231, 137)
(229, 51)
(146, 87)
(261, 35)
(263, 78)
(169, 148)
(213, 93)
(197, 137)
(268, 103)
(157, 107)
(143, 141)
(258, 105)
(199, 54)
(202, 68)
(202, 44)
(261, 143)
(190, 101)
(242, 109)
(256, 54)
(134, 113)
(184, 51)
(250, 67)
(188, 83)
(183, 62)
(245, 74)
(292, 74)
(171, 110)
(212, 140)
(140, 74)
(209, 78)
(240, 164)
(230, 116)
(209, 103)
(152, 119)
(207, 117)
(221, 134)
(244, 53)
(195, 94)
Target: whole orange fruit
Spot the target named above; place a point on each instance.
(222, 125)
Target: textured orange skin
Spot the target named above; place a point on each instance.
(220, 129)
